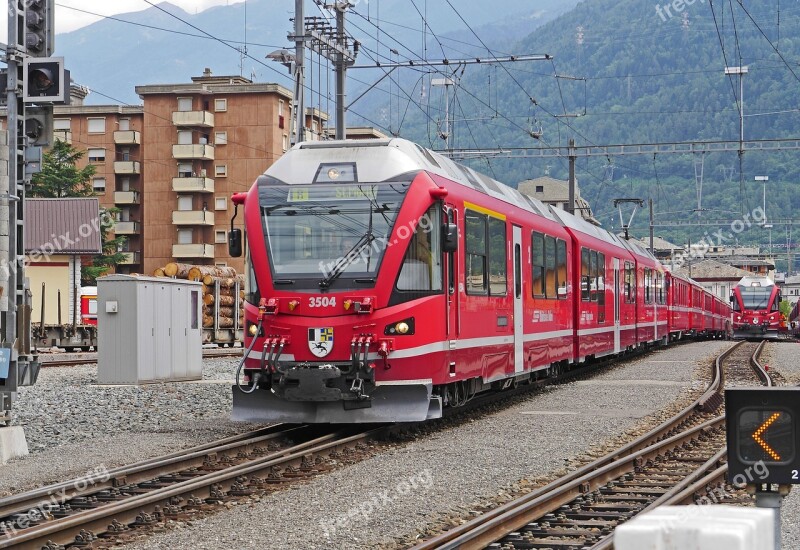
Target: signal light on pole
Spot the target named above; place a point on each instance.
(45, 81)
(39, 28)
(39, 125)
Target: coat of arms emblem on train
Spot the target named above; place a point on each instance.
(320, 341)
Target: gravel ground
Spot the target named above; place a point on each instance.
(73, 425)
(782, 356)
(446, 473)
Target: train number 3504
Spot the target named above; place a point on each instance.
(322, 302)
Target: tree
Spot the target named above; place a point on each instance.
(60, 177)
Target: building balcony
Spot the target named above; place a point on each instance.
(126, 228)
(127, 137)
(63, 135)
(124, 167)
(192, 217)
(126, 197)
(193, 152)
(198, 119)
(205, 251)
(193, 185)
(131, 258)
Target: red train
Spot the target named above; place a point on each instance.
(756, 309)
(387, 282)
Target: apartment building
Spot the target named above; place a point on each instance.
(111, 138)
(204, 141)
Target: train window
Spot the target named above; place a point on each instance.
(537, 260)
(252, 295)
(585, 274)
(630, 283)
(601, 284)
(422, 265)
(561, 268)
(550, 266)
(593, 275)
(498, 264)
(647, 286)
(475, 241)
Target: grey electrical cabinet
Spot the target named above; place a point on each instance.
(149, 329)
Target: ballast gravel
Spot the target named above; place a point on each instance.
(389, 499)
(782, 357)
(74, 425)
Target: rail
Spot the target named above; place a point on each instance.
(688, 429)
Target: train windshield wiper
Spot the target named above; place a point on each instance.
(346, 260)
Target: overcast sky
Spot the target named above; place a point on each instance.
(69, 20)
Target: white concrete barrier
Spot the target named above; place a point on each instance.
(12, 443)
(698, 528)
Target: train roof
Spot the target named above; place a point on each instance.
(756, 281)
(397, 156)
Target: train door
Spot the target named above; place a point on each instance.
(616, 306)
(518, 316)
(452, 262)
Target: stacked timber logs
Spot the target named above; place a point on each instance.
(213, 277)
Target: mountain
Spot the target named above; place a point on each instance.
(645, 77)
(112, 56)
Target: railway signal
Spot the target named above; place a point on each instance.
(762, 430)
(46, 80)
(39, 27)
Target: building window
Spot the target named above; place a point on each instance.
(185, 137)
(125, 153)
(540, 188)
(184, 170)
(221, 264)
(96, 125)
(184, 104)
(220, 105)
(185, 236)
(99, 185)
(221, 170)
(124, 124)
(220, 138)
(220, 236)
(280, 107)
(184, 203)
(221, 203)
(125, 184)
(97, 155)
(285, 142)
(61, 124)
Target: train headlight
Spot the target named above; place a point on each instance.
(400, 328)
(333, 174)
(253, 330)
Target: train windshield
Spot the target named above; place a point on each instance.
(323, 231)
(754, 298)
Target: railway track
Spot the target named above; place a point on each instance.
(674, 463)
(88, 358)
(103, 509)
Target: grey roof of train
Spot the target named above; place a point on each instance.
(406, 156)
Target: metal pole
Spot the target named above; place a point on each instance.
(772, 501)
(572, 185)
(299, 72)
(341, 73)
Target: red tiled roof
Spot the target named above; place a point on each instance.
(63, 226)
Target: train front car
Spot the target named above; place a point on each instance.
(756, 309)
(346, 303)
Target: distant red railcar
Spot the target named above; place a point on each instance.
(756, 309)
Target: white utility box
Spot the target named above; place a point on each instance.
(149, 329)
(711, 527)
